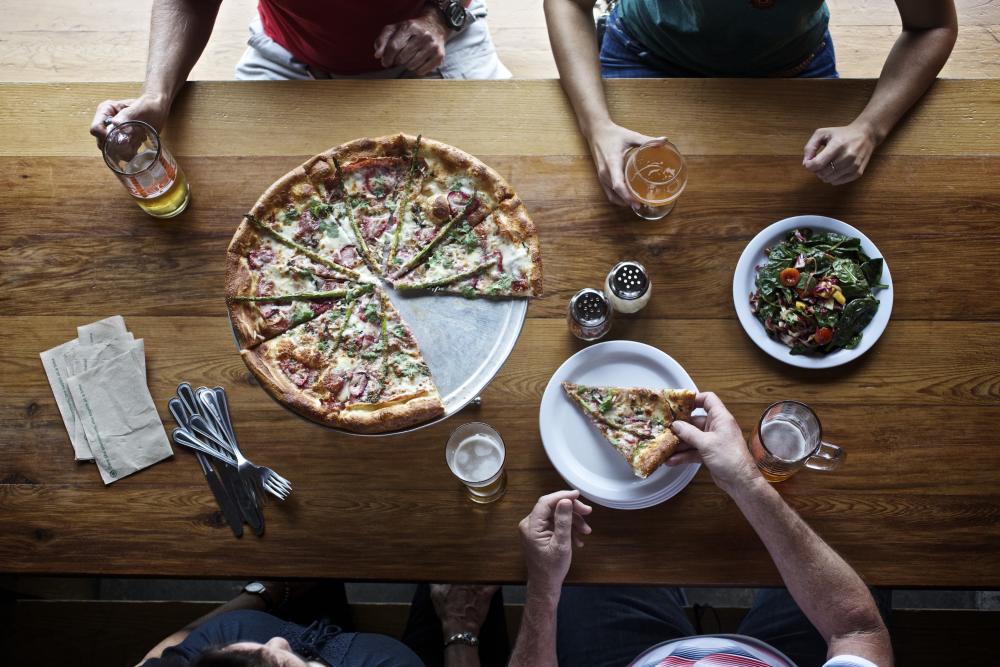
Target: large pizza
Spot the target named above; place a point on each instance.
(306, 268)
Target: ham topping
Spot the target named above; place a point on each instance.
(260, 257)
(349, 256)
(306, 232)
(358, 383)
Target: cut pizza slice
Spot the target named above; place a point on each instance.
(333, 369)
(635, 420)
(493, 255)
(294, 212)
(366, 182)
(271, 288)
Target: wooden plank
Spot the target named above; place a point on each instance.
(709, 229)
(955, 118)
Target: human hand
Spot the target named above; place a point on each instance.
(839, 155)
(608, 145)
(461, 608)
(548, 535)
(416, 44)
(149, 108)
(717, 441)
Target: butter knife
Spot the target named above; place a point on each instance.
(224, 499)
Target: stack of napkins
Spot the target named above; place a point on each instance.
(99, 381)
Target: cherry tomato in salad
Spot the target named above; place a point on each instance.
(823, 335)
(789, 277)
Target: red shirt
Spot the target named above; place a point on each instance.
(335, 35)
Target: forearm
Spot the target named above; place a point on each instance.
(826, 588)
(911, 67)
(178, 33)
(536, 640)
(571, 34)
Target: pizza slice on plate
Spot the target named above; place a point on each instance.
(636, 421)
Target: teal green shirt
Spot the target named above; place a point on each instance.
(728, 37)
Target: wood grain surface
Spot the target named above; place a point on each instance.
(917, 503)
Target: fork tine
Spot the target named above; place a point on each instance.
(278, 493)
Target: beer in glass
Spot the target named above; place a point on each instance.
(147, 169)
(475, 453)
(655, 174)
(789, 436)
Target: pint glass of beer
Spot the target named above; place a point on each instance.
(475, 453)
(655, 174)
(789, 436)
(147, 169)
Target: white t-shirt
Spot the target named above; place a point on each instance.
(730, 650)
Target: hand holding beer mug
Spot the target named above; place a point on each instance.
(788, 437)
(475, 453)
(655, 174)
(147, 170)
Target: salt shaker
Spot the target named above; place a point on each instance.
(589, 314)
(628, 287)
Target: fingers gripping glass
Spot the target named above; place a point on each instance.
(787, 438)
(655, 174)
(133, 151)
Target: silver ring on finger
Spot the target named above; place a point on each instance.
(833, 167)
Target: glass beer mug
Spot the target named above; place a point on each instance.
(787, 438)
(146, 168)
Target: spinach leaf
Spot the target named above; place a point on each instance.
(300, 313)
(856, 316)
(873, 271)
(852, 281)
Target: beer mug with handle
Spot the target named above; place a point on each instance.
(787, 438)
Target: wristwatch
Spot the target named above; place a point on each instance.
(466, 638)
(260, 590)
(455, 14)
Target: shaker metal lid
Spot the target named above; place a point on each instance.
(628, 280)
(589, 307)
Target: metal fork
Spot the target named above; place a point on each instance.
(268, 476)
(261, 478)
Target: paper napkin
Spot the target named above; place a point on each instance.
(119, 418)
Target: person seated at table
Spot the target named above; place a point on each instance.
(277, 624)
(826, 616)
(304, 39)
(738, 38)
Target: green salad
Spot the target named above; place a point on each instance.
(815, 293)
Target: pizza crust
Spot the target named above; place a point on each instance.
(655, 454)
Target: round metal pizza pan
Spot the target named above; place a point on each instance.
(465, 342)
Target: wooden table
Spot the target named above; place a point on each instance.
(917, 503)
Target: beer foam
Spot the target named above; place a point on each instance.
(784, 439)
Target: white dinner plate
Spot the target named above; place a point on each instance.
(746, 275)
(579, 452)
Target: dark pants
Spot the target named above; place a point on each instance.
(602, 626)
(424, 636)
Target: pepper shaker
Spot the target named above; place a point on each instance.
(589, 315)
(628, 287)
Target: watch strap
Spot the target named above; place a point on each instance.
(466, 638)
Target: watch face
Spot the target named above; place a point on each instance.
(456, 14)
(254, 587)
